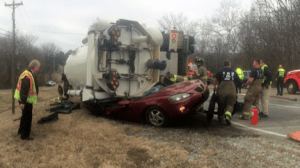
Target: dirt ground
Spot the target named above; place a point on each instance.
(80, 139)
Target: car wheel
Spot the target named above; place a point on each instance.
(156, 117)
(292, 88)
(46, 85)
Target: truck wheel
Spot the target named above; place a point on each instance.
(292, 88)
(156, 117)
(211, 108)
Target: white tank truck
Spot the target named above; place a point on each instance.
(119, 59)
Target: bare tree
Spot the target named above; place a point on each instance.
(50, 50)
(180, 22)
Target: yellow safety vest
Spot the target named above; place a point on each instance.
(32, 95)
(240, 73)
(281, 72)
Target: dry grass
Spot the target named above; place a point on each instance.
(80, 139)
(45, 94)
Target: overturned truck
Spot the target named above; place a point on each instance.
(118, 65)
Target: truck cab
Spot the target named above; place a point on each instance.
(292, 81)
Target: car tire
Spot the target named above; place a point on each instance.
(291, 87)
(156, 117)
(46, 85)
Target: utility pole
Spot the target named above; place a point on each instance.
(13, 6)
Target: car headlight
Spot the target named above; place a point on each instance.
(178, 97)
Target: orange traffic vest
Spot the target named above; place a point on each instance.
(32, 95)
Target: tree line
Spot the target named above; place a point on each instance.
(270, 30)
(49, 54)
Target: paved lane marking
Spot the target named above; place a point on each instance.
(281, 127)
(284, 106)
(260, 130)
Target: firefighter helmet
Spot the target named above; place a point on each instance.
(198, 60)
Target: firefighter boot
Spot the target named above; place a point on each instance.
(244, 116)
(228, 118)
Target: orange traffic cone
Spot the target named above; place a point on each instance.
(295, 136)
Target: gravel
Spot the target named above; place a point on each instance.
(221, 146)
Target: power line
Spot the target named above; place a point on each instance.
(6, 35)
(52, 32)
(23, 19)
(31, 24)
(5, 30)
(48, 31)
(4, 19)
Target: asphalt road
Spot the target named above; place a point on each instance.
(284, 116)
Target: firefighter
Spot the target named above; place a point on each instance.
(170, 79)
(240, 73)
(227, 80)
(253, 93)
(266, 89)
(201, 73)
(26, 92)
(280, 75)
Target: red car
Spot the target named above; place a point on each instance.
(160, 107)
(292, 81)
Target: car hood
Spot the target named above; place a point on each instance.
(181, 87)
(294, 71)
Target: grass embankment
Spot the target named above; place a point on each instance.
(80, 139)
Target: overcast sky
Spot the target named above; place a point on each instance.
(66, 22)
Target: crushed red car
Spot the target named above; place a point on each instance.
(160, 107)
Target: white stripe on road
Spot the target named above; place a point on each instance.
(282, 127)
(283, 106)
(260, 130)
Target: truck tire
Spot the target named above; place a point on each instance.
(291, 87)
(211, 108)
(156, 117)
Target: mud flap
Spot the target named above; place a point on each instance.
(51, 117)
(64, 107)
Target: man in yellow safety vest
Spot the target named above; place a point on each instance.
(240, 73)
(26, 92)
(266, 89)
(280, 78)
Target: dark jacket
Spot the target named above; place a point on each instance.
(25, 86)
(268, 75)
